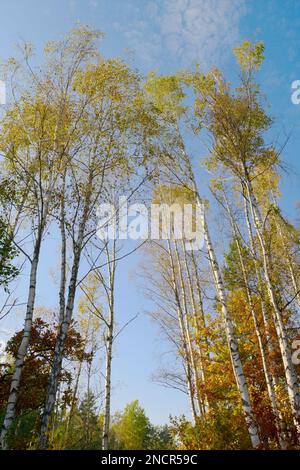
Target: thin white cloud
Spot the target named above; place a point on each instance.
(184, 31)
(94, 3)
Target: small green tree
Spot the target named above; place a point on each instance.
(131, 428)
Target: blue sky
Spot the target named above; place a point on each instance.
(166, 35)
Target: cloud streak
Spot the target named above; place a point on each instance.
(184, 31)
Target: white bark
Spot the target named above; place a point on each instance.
(194, 362)
(290, 373)
(58, 357)
(16, 377)
(265, 315)
(22, 351)
(268, 376)
(181, 323)
(229, 328)
(289, 263)
(232, 340)
(64, 326)
(200, 301)
(109, 347)
(63, 263)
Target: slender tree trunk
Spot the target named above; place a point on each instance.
(63, 265)
(194, 364)
(16, 378)
(75, 391)
(73, 402)
(55, 420)
(293, 278)
(109, 350)
(253, 250)
(107, 400)
(63, 329)
(180, 316)
(88, 417)
(268, 376)
(196, 318)
(290, 373)
(229, 328)
(200, 301)
(288, 259)
(58, 357)
(232, 340)
(265, 316)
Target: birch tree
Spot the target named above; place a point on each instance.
(237, 123)
(167, 92)
(39, 138)
(116, 127)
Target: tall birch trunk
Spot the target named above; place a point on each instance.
(200, 301)
(187, 328)
(231, 339)
(73, 402)
(58, 357)
(290, 372)
(16, 377)
(229, 328)
(63, 262)
(203, 400)
(265, 315)
(180, 316)
(268, 376)
(288, 258)
(109, 349)
(76, 387)
(64, 327)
